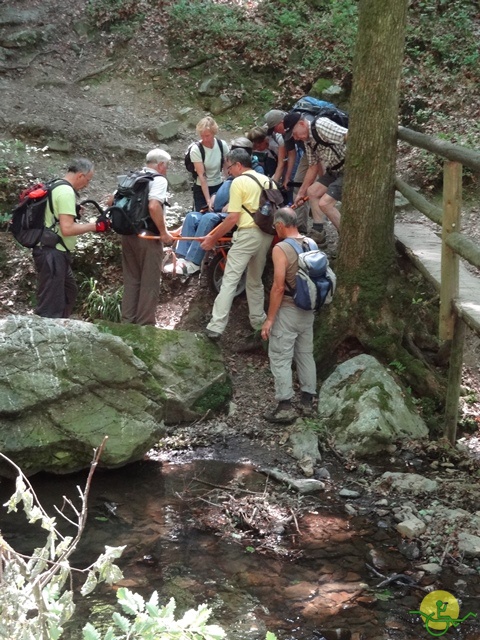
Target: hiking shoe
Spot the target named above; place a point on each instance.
(213, 335)
(320, 237)
(182, 267)
(284, 413)
(307, 404)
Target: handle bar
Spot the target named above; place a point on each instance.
(95, 204)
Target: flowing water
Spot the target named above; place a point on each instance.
(322, 588)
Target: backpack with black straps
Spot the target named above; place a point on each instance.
(129, 213)
(271, 199)
(27, 222)
(321, 109)
(189, 165)
(315, 281)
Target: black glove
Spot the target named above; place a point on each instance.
(102, 224)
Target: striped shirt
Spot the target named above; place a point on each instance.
(332, 133)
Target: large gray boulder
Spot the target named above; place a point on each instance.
(65, 384)
(364, 409)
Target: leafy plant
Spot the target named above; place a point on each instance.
(101, 305)
(397, 366)
(149, 621)
(33, 600)
(250, 35)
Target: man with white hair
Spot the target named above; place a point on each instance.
(141, 255)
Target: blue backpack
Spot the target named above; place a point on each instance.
(321, 109)
(308, 104)
(315, 281)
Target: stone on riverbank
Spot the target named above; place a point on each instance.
(364, 410)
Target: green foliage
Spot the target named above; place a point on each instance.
(440, 35)
(101, 305)
(273, 35)
(397, 366)
(120, 16)
(147, 620)
(215, 398)
(33, 600)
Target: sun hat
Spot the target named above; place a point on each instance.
(272, 118)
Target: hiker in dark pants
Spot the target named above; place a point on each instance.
(142, 257)
(288, 328)
(56, 286)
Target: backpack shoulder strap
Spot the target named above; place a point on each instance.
(324, 143)
(310, 244)
(220, 144)
(146, 175)
(51, 185)
(249, 175)
(316, 135)
(201, 148)
(269, 186)
(291, 242)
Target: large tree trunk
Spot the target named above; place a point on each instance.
(366, 234)
(363, 307)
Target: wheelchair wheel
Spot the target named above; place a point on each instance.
(214, 273)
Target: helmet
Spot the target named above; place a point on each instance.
(241, 143)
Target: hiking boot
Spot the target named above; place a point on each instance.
(320, 237)
(213, 335)
(284, 413)
(307, 404)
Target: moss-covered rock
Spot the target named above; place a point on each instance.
(187, 366)
(65, 384)
(362, 407)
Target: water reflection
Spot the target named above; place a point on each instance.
(154, 509)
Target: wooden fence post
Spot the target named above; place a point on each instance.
(452, 202)
(454, 381)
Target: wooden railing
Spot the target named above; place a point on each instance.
(452, 319)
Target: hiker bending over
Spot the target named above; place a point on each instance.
(296, 168)
(56, 286)
(142, 257)
(327, 190)
(272, 148)
(249, 249)
(199, 224)
(207, 156)
(288, 328)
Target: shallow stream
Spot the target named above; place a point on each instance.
(321, 588)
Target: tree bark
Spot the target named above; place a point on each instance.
(366, 234)
(368, 306)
